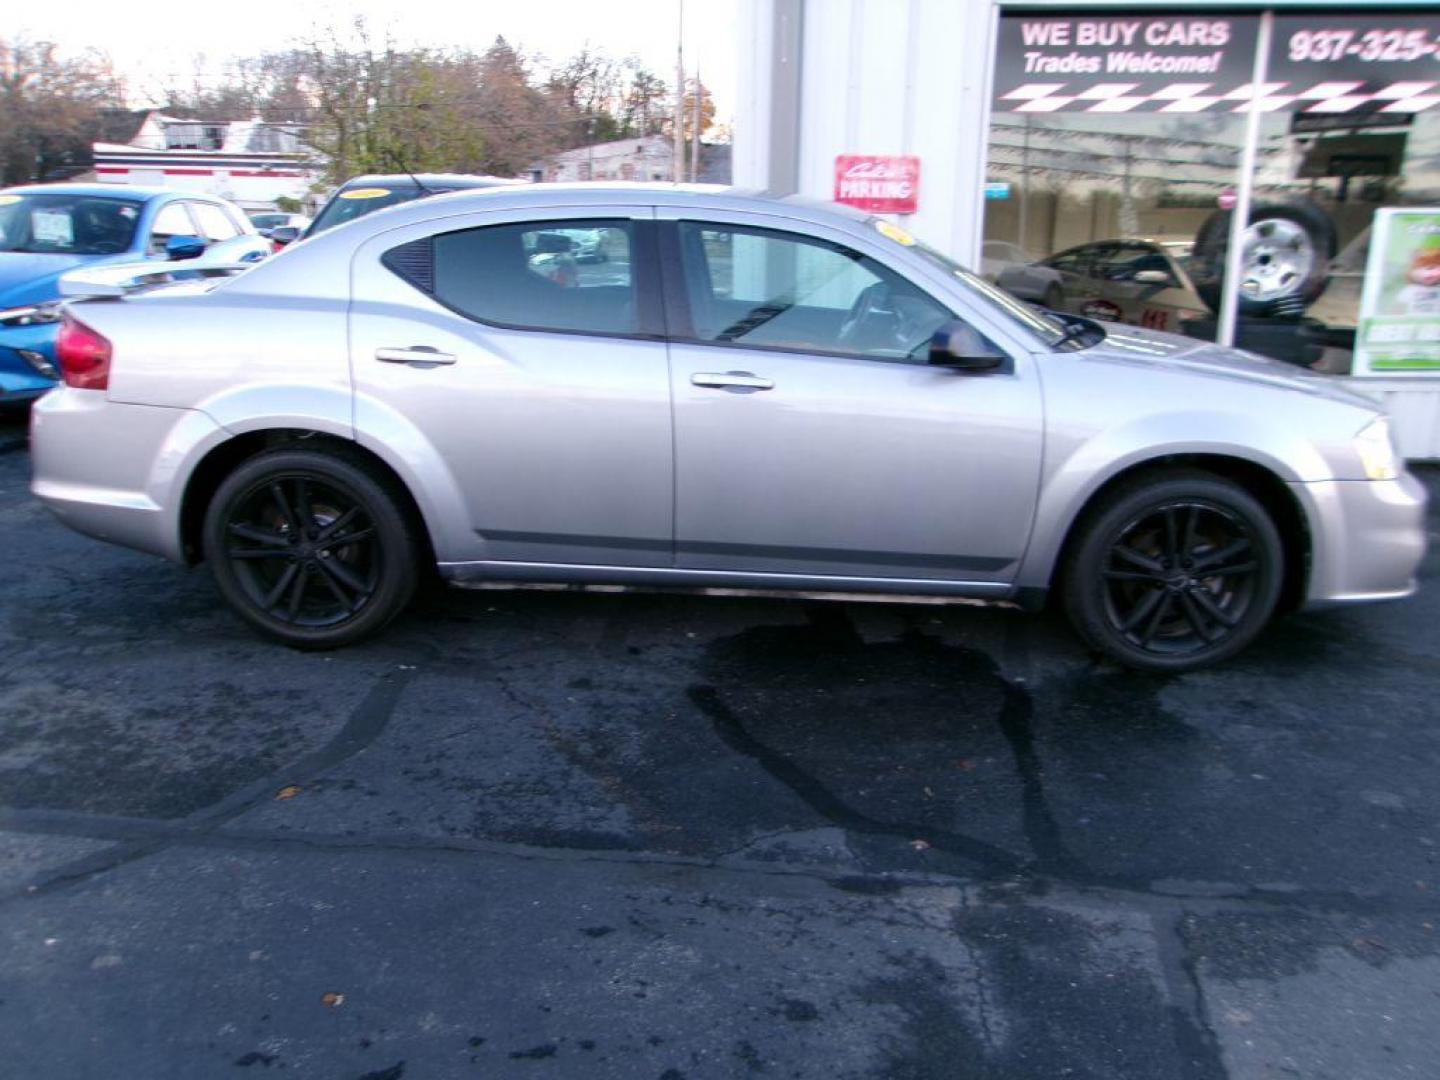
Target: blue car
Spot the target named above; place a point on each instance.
(47, 229)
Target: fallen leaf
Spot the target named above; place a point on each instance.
(965, 763)
(920, 845)
(333, 999)
(287, 792)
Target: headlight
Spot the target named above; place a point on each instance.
(31, 315)
(1377, 452)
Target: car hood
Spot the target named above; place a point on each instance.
(1154, 348)
(33, 279)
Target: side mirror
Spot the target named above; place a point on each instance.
(284, 234)
(961, 347)
(1151, 277)
(184, 247)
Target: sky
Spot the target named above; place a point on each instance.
(165, 41)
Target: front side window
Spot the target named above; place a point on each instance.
(550, 275)
(172, 220)
(763, 288)
(215, 224)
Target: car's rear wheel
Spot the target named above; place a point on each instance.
(1173, 571)
(311, 548)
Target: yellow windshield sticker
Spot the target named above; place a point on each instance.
(894, 232)
(365, 193)
(6, 200)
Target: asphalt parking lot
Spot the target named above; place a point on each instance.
(553, 834)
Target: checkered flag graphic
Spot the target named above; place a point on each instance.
(1178, 97)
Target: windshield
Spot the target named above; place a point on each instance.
(1052, 329)
(269, 221)
(351, 203)
(66, 224)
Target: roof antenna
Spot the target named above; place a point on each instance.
(394, 156)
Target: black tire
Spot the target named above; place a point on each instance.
(312, 549)
(1132, 580)
(1290, 245)
(1054, 296)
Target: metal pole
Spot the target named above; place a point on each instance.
(1025, 188)
(695, 132)
(1240, 215)
(677, 173)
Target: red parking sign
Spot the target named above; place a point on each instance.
(883, 185)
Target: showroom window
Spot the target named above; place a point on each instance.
(1152, 131)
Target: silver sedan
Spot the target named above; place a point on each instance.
(750, 393)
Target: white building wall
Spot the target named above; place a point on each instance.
(880, 77)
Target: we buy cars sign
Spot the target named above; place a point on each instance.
(882, 185)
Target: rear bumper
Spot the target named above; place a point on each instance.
(116, 471)
(1367, 539)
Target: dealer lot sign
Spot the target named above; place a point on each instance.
(1318, 63)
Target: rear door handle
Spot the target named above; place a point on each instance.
(415, 354)
(731, 380)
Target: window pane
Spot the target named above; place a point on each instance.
(553, 275)
(755, 287)
(1116, 129)
(214, 224)
(171, 221)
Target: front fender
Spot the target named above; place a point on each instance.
(1077, 469)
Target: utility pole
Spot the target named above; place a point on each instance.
(677, 173)
(695, 132)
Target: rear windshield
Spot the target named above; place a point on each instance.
(59, 224)
(355, 202)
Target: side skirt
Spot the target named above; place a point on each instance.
(483, 575)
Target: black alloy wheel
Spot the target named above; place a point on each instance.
(310, 548)
(1175, 573)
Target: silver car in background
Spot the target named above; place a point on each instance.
(755, 393)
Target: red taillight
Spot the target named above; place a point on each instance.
(83, 355)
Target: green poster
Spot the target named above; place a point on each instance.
(1399, 326)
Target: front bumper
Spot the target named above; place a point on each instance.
(1367, 538)
(116, 471)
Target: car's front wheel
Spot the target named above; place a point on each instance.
(1173, 571)
(311, 548)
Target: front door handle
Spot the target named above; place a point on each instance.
(415, 354)
(731, 380)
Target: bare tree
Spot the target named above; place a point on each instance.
(50, 107)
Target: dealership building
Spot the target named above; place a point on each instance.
(1257, 174)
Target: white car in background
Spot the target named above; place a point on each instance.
(1020, 273)
(1140, 282)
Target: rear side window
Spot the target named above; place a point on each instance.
(552, 275)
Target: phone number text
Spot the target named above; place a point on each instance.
(1369, 45)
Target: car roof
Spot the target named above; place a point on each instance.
(456, 180)
(126, 192)
(112, 191)
(584, 193)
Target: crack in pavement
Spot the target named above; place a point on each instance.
(363, 726)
